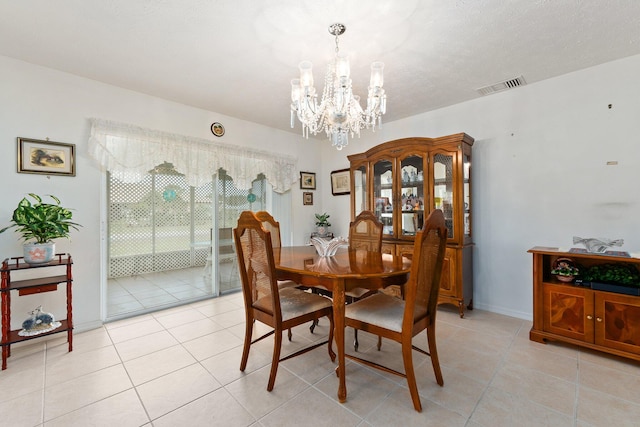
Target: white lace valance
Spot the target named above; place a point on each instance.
(129, 152)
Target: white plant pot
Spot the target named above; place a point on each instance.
(39, 253)
(322, 230)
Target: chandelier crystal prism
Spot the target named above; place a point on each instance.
(339, 112)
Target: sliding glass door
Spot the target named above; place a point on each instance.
(230, 202)
(162, 248)
(154, 226)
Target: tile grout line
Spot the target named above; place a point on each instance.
(44, 380)
(493, 376)
(577, 392)
(133, 386)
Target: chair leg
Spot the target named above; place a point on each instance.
(314, 323)
(433, 351)
(289, 334)
(379, 342)
(407, 358)
(277, 345)
(248, 332)
(355, 339)
(332, 354)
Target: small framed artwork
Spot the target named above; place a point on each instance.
(340, 182)
(217, 129)
(307, 198)
(307, 180)
(46, 157)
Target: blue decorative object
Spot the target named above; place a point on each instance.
(169, 195)
(251, 197)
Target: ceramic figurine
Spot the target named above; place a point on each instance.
(39, 322)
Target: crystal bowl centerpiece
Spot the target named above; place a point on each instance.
(326, 247)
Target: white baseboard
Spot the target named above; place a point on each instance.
(501, 310)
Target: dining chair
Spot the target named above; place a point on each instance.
(365, 232)
(264, 301)
(401, 320)
(270, 224)
(273, 226)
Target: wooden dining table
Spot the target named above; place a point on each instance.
(346, 270)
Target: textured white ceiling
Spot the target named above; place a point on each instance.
(237, 57)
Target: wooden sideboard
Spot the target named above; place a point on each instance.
(596, 319)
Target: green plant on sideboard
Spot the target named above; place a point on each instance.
(617, 274)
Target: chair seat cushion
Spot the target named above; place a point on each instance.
(380, 310)
(294, 303)
(357, 293)
(287, 284)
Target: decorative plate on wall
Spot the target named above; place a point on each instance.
(217, 129)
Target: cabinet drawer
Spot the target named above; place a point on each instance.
(37, 290)
(405, 250)
(388, 248)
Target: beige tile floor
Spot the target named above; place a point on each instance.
(179, 367)
(127, 296)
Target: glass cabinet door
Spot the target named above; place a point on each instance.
(383, 194)
(359, 180)
(443, 188)
(411, 195)
(466, 163)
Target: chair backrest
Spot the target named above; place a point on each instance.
(365, 232)
(271, 225)
(421, 291)
(256, 265)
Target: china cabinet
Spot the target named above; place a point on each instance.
(579, 315)
(402, 181)
(29, 279)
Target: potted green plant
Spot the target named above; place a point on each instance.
(565, 270)
(616, 274)
(39, 223)
(322, 222)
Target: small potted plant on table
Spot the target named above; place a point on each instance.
(322, 222)
(41, 222)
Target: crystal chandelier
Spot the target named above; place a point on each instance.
(339, 112)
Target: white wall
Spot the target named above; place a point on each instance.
(39, 103)
(539, 171)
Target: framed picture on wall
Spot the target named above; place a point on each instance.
(307, 180)
(46, 157)
(307, 198)
(340, 182)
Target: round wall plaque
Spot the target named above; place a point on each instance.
(217, 129)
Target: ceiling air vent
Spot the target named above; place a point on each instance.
(504, 85)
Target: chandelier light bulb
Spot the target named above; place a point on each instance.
(377, 78)
(342, 66)
(295, 90)
(306, 73)
(339, 112)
